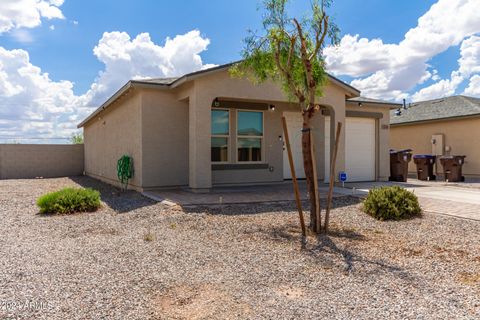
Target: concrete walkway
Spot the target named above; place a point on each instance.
(460, 200)
(234, 195)
(455, 199)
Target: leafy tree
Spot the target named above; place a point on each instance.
(290, 51)
(77, 138)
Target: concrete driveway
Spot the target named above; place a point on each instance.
(461, 200)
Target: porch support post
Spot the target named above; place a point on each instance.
(341, 156)
(199, 116)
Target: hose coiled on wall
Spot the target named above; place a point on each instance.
(125, 170)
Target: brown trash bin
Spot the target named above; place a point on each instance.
(399, 164)
(452, 168)
(425, 163)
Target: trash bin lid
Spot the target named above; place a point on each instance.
(452, 157)
(423, 156)
(392, 151)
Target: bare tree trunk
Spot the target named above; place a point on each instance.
(308, 167)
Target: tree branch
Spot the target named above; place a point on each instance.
(287, 74)
(319, 40)
(311, 84)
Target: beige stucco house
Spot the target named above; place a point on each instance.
(446, 126)
(206, 129)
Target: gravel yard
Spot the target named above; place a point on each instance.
(135, 259)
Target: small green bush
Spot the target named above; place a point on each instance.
(69, 200)
(391, 203)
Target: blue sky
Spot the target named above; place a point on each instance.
(388, 59)
(66, 52)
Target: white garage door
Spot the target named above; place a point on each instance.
(294, 125)
(360, 149)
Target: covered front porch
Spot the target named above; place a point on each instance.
(236, 135)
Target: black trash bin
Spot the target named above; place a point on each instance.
(452, 168)
(425, 163)
(399, 160)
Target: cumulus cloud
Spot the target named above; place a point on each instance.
(33, 105)
(468, 64)
(473, 88)
(390, 70)
(15, 14)
(140, 57)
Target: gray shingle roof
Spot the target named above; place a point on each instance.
(444, 108)
(165, 81)
(370, 100)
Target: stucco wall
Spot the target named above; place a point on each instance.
(164, 139)
(463, 136)
(22, 161)
(113, 133)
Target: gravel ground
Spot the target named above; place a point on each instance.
(135, 259)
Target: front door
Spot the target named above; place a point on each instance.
(294, 125)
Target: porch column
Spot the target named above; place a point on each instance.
(341, 155)
(199, 116)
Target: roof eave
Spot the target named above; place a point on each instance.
(130, 84)
(353, 91)
(189, 77)
(390, 105)
(474, 115)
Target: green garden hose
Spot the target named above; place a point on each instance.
(125, 170)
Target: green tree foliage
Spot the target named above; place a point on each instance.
(289, 51)
(77, 138)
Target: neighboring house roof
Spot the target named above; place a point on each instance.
(438, 109)
(174, 82)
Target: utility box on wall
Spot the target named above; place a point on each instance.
(438, 145)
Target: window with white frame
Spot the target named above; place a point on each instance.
(249, 136)
(220, 135)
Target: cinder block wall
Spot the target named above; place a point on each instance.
(23, 161)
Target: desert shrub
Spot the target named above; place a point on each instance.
(69, 200)
(391, 203)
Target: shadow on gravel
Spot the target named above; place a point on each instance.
(266, 207)
(119, 201)
(326, 244)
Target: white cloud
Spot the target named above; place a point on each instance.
(22, 35)
(468, 64)
(473, 88)
(138, 58)
(469, 61)
(52, 27)
(16, 14)
(390, 70)
(442, 88)
(33, 105)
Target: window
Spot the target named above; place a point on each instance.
(249, 136)
(220, 135)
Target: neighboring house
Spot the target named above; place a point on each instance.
(442, 126)
(207, 128)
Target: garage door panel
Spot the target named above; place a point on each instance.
(359, 148)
